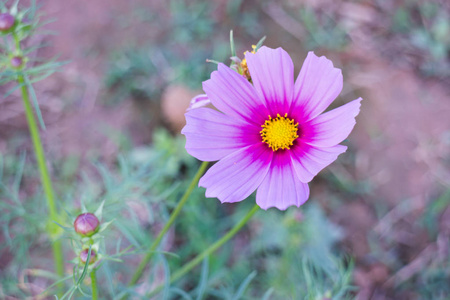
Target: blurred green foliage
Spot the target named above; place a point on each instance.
(27, 23)
(192, 32)
(281, 255)
(323, 31)
(426, 26)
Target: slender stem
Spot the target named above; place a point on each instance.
(17, 42)
(94, 285)
(52, 228)
(198, 259)
(140, 269)
(211, 249)
(39, 151)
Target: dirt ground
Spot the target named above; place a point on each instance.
(401, 140)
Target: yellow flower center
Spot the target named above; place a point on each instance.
(279, 132)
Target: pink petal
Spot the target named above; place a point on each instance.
(281, 188)
(212, 135)
(332, 127)
(237, 175)
(199, 101)
(272, 73)
(317, 85)
(232, 94)
(308, 161)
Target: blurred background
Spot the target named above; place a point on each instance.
(377, 224)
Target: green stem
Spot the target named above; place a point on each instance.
(140, 269)
(17, 42)
(52, 228)
(94, 285)
(211, 249)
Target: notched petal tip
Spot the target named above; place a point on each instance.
(308, 161)
(358, 100)
(332, 127)
(316, 87)
(322, 59)
(264, 49)
(281, 188)
(280, 207)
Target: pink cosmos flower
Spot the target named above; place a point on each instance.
(269, 136)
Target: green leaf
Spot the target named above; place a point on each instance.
(213, 61)
(82, 292)
(203, 279)
(83, 207)
(13, 10)
(86, 266)
(63, 227)
(69, 293)
(241, 290)
(181, 293)
(166, 289)
(267, 294)
(19, 173)
(35, 101)
(104, 226)
(233, 49)
(99, 212)
(260, 43)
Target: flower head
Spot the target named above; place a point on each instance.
(86, 224)
(270, 136)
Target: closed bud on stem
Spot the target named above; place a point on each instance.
(6, 22)
(17, 62)
(86, 224)
(84, 255)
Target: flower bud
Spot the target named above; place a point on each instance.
(6, 21)
(86, 224)
(84, 255)
(16, 62)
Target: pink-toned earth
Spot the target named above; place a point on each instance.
(401, 141)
